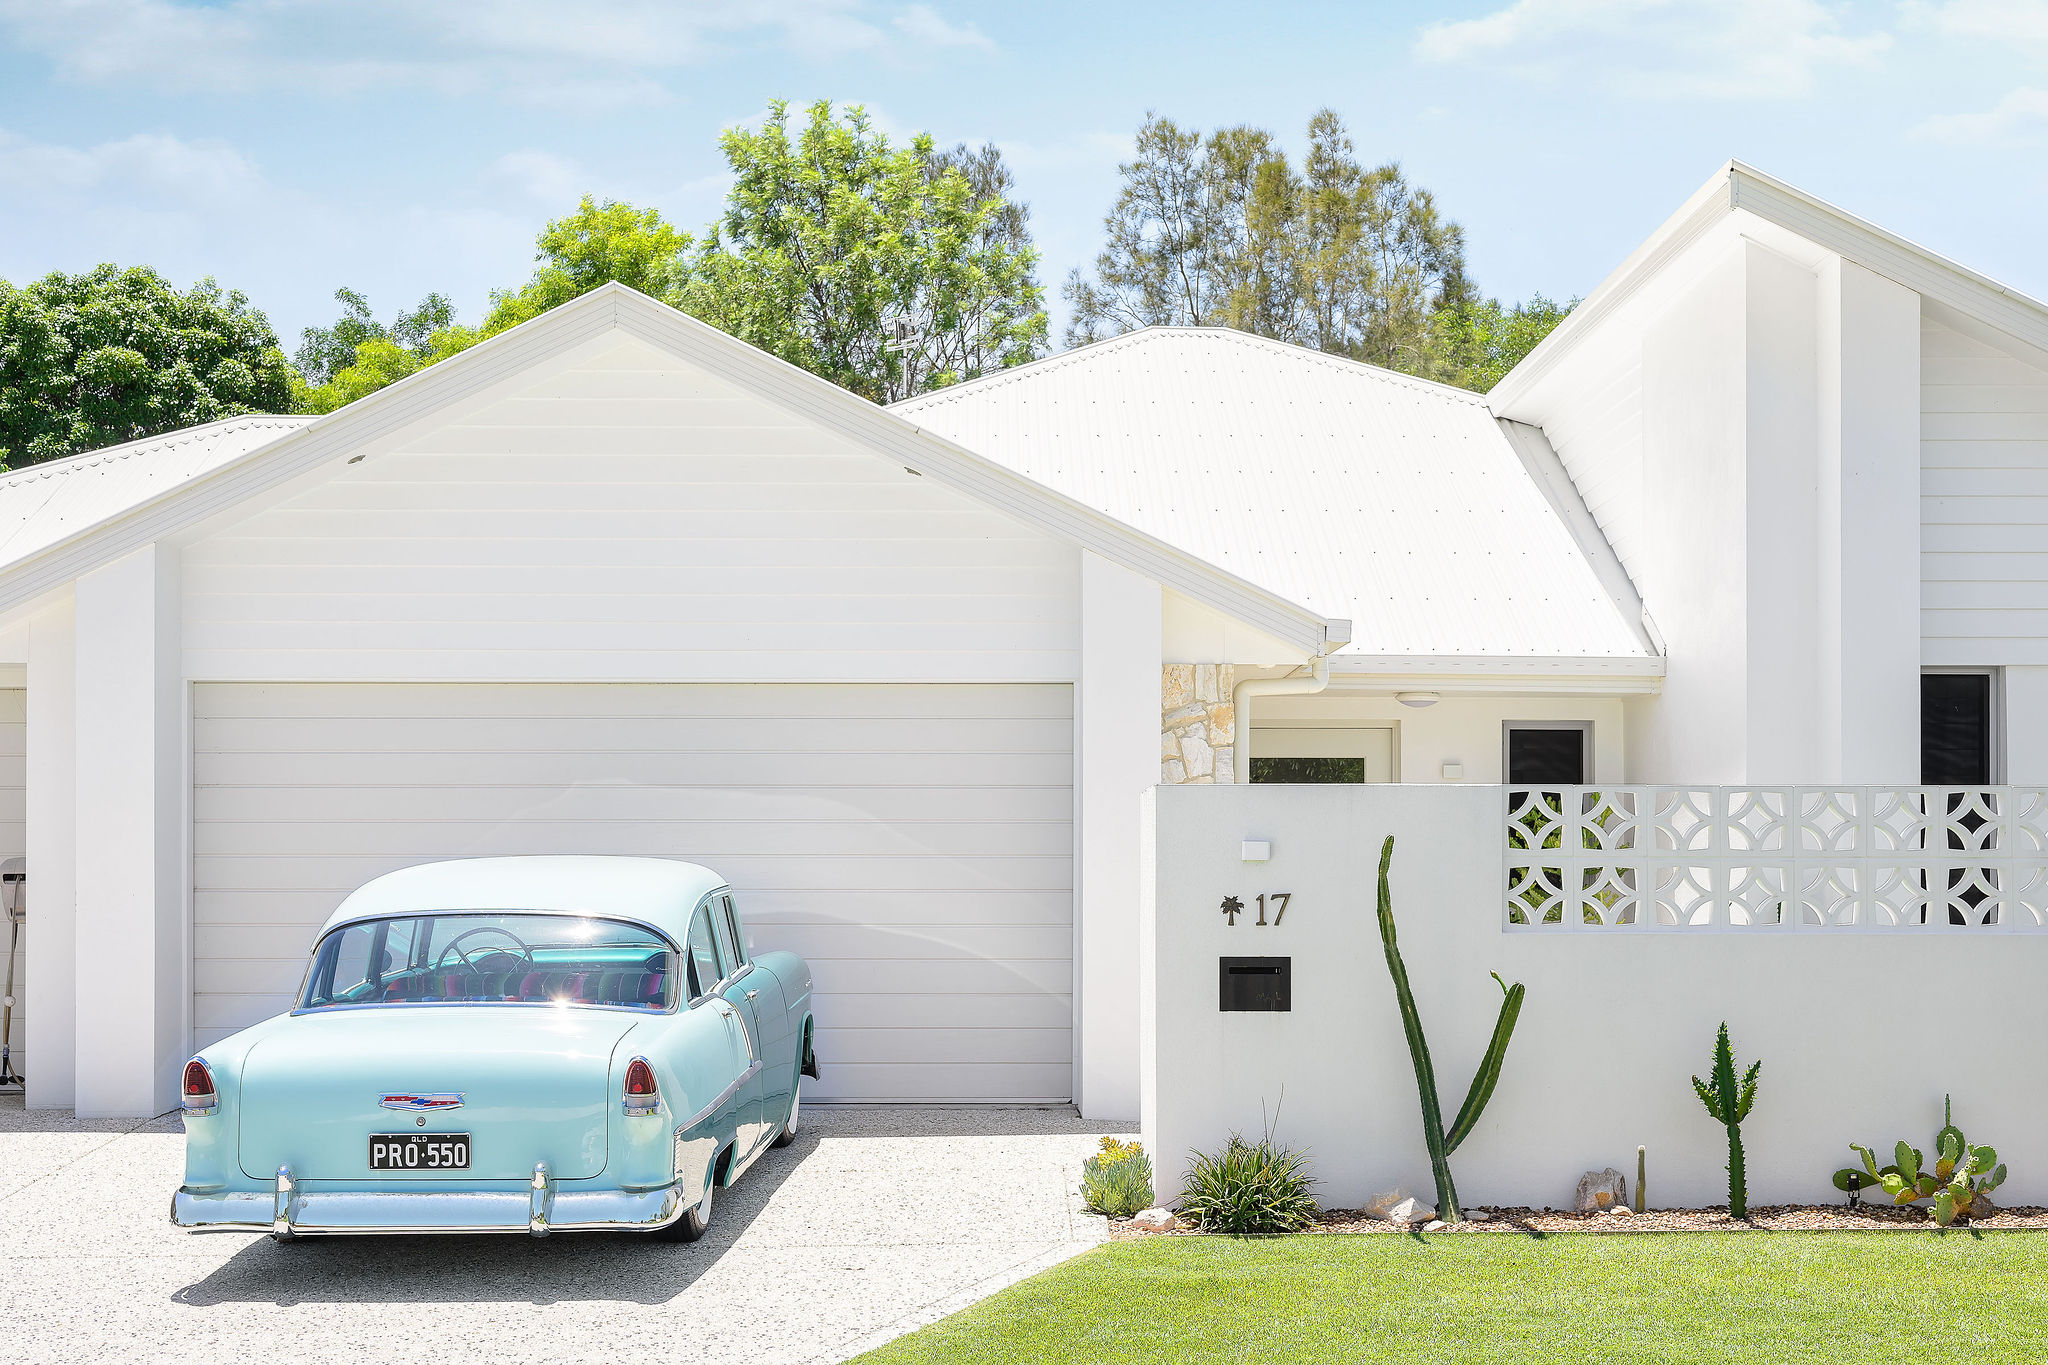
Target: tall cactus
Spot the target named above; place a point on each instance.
(1729, 1105)
(1440, 1143)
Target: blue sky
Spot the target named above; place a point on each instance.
(399, 146)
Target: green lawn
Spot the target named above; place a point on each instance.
(1471, 1298)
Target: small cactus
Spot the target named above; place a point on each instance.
(1729, 1104)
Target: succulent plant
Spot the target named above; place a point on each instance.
(1959, 1182)
(1728, 1104)
(1442, 1143)
(1117, 1180)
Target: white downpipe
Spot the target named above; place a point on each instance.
(1291, 685)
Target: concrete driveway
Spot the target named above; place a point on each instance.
(875, 1222)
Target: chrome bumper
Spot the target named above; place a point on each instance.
(289, 1210)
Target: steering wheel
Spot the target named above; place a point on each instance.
(455, 947)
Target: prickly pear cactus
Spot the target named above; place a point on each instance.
(1958, 1182)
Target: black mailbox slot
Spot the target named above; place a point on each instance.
(1254, 983)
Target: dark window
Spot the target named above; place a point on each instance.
(1955, 729)
(1546, 757)
(1308, 770)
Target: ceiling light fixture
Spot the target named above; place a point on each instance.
(1418, 699)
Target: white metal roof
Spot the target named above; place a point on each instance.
(45, 504)
(1352, 490)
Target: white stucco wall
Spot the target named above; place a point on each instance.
(1615, 1024)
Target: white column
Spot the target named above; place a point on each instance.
(1869, 531)
(52, 991)
(1781, 437)
(131, 939)
(2026, 725)
(1118, 754)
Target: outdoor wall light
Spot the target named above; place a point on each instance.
(1417, 699)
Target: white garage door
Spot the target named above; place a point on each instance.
(914, 842)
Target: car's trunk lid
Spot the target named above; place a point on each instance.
(534, 1083)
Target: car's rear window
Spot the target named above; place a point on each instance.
(472, 957)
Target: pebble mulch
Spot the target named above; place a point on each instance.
(1762, 1218)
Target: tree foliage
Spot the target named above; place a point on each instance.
(1226, 231)
(113, 355)
(885, 269)
(595, 245)
(359, 355)
(1489, 338)
(324, 351)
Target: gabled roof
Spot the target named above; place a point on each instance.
(1740, 189)
(146, 510)
(1357, 491)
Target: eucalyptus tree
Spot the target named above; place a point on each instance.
(1224, 230)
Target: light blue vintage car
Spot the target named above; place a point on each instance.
(506, 1045)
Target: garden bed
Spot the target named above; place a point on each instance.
(1763, 1218)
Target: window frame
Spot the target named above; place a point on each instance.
(1507, 739)
(705, 991)
(1994, 730)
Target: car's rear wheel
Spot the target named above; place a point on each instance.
(788, 1133)
(696, 1221)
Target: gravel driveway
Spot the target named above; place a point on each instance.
(876, 1221)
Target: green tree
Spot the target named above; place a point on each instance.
(595, 245)
(1224, 231)
(1489, 338)
(378, 363)
(114, 355)
(324, 351)
(880, 268)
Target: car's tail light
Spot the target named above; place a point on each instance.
(643, 1096)
(196, 1091)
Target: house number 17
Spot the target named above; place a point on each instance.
(1233, 907)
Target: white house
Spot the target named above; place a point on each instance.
(614, 582)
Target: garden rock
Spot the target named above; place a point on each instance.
(1477, 1216)
(1396, 1206)
(1435, 1225)
(1600, 1190)
(1155, 1220)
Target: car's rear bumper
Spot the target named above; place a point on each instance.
(541, 1208)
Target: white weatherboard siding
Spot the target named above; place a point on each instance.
(631, 519)
(13, 842)
(914, 842)
(1984, 503)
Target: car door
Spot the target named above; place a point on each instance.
(776, 1033)
(742, 987)
(707, 981)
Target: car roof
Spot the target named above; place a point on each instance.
(660, 891)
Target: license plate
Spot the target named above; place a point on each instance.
(419, 1151)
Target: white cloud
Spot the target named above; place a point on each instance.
(600, 53)
(2007, 23)
(153, 171)
(1735, 49)
(926, 27)
(2022, 116)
